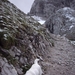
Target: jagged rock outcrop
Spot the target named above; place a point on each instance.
(63, 23)
(45, 8)
(22, 39)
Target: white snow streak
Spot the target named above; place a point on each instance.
(71, 18)
(39, 19)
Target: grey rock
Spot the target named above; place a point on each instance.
(25, 39)
(14, 52)
(6, 68)
(45, 8)
(63, 23)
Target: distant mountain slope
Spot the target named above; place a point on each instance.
(22, 39)
(62, 23)
(45, 8)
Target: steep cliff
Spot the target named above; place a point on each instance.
(22, 39)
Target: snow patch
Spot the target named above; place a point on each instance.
(39, 19)
(67, 8)
(71, 18)
(73, 42)
(68, 13)
(36, 18)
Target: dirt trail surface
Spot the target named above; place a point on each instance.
(61, 59)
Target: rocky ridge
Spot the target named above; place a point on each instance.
(45, 8)
(59, 16)
(22, 39)
(62, 23)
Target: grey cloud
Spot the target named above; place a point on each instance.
(24, 5)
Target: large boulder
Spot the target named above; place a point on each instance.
(63, 23)
(45, 8)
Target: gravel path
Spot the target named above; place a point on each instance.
(60, 59)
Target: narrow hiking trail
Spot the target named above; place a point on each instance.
(60, 59)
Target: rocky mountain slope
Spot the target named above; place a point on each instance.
(45, 8)
(59, 16)
(22, 39)
(62, 22)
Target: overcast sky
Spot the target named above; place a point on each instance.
(24, 5)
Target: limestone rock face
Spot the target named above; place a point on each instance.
(45, 8)
(22, 39)
(63, 23)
